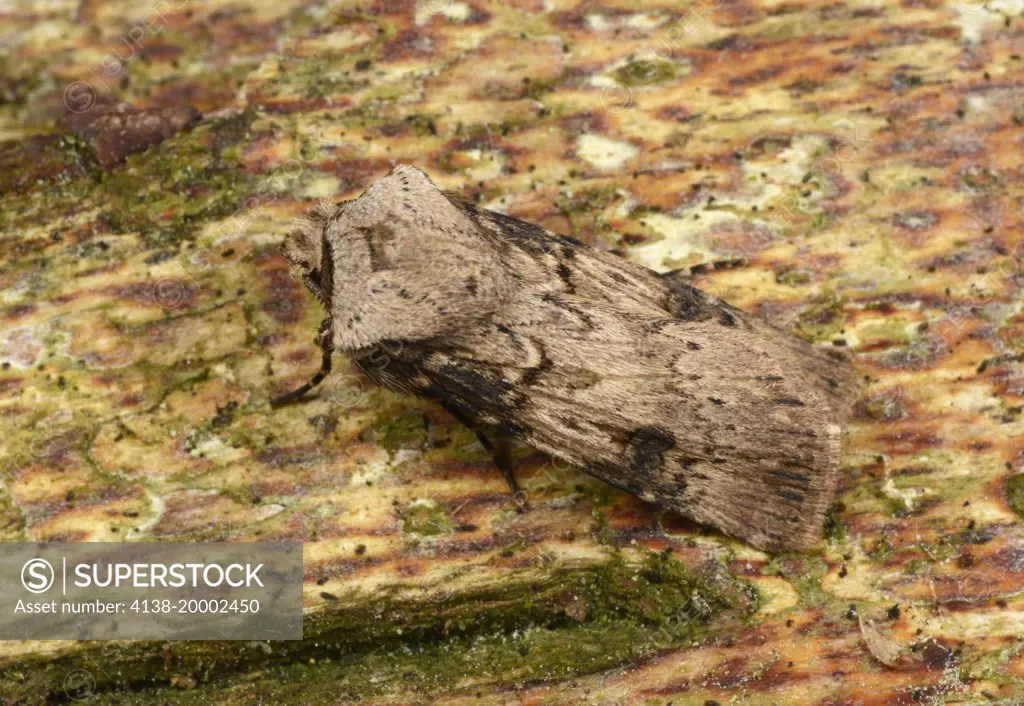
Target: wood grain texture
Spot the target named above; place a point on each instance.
(861, 160)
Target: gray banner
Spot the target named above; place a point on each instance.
(151, 590)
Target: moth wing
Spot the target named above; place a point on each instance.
(708, 419)
(826, 368)
(649, 384)
(574, 268)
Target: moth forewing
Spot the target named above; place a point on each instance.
(640, 380)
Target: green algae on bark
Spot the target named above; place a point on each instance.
(164, 193)
(424, 518)
(1015, 493)
(891, 197)
(408, 431)
(647, 71)
(822, 321)
(543, 624)
(188, 180)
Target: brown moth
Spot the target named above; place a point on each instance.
(637, 378)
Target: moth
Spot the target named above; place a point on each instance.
(639, 379)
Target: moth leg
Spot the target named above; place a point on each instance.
(327, 347)
(498, 453)
(504, 464)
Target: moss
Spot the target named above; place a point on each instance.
(1015, 493)
(804, 85)
(164, 193)
(536, 88)
(167, 192)
(16, 84)
(462, 445)
(422, 125)
(820, 221)
(45, 174)
(892, 331)
(884, 406)
(956, 488)
(885, 502)
(822, 321)
(426, 519)
(782, 30)
(445, 161)
(943, 549)
(182, 375)
(586, 207)
(547, 624)
(898, 177)
(12, 519)
(989, 666)
(881, 551)
(602, 529)
(834, 528)
(793, 277)
(646, 72)
(242, 495)
(804, 574)
(408, 431)
(327, 73)
(386, 92)
(531, 25)
(980, 179)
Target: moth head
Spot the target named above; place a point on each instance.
(401, 262)
(304, 248)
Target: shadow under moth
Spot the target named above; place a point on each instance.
(639, 379)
